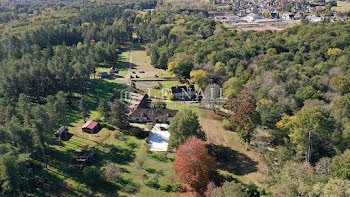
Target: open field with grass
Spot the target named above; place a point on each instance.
(156, 88)
(343, 6)
(241, 164)
(147, 82)
(141, 61)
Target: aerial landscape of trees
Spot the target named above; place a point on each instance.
(290, 86)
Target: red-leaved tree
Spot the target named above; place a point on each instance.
(193, 164)
(245, 117)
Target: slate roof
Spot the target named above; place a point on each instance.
(178, 89)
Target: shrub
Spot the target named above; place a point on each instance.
(171, 97)
(141, 160)
(143, 176)
(117, 135)
(226, 124)
(131, 188)
(160, 157)
(166, 187)
(138, 132)
(157, 86)
(131, 144)
(153, 182)
(112, 172)
(92, 176)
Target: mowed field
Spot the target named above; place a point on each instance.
(141, 61)
(148, 82)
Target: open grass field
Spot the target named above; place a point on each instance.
(141, 61)
(343, 6)
(241, 164)
(148, 83)
(155, 88)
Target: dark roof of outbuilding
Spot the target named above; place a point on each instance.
(61, 130)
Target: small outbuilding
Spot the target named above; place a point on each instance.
(112, 70)
(102, 74)
(61, 131)
(91, 126)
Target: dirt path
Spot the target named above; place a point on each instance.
(213, 130)
(239, 160)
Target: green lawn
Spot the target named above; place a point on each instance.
(165, 85)
(179, 105)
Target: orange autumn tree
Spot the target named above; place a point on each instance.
(193, 164)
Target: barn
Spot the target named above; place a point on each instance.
(91, 126)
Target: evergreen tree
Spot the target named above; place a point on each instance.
(83, 109)
(118, 114)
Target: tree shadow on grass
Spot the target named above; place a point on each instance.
(231, 160)
(49, 184)
(116, 154)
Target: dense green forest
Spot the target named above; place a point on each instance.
(289, 91)
(49, 52)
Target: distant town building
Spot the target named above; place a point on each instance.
(252, 17)
(315, 19)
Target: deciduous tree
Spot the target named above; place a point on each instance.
(245, 118)
(193, 164)
(184, 125)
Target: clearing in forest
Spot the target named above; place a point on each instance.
(242, 164)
